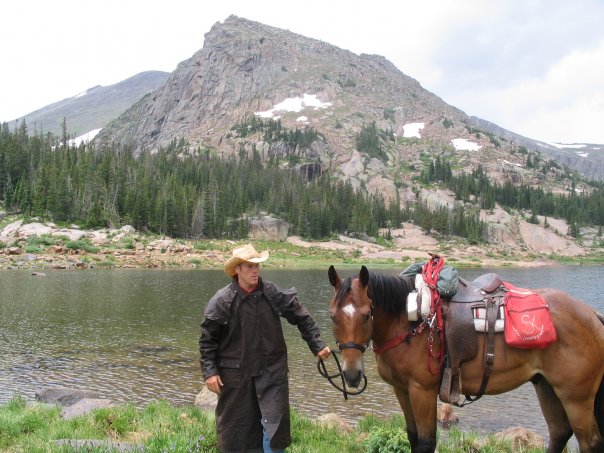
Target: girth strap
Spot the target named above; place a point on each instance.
(492, 309)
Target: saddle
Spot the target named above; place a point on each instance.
(486, 292)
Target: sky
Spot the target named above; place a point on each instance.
(534, 67)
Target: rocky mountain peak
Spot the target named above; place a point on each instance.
(246, 67)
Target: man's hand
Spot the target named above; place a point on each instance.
(214, 384)
(324, 353)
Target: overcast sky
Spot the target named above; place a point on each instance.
(535, 67)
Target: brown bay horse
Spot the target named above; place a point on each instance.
(567, 375)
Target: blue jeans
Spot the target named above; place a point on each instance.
(266, 443)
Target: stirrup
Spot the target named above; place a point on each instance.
(450, 387)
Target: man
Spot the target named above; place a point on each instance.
(244, 356)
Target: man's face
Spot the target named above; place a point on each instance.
(247, 275)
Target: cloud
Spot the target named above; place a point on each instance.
(566, 104)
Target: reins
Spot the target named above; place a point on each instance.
(330, 377)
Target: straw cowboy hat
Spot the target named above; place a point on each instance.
(246, 253)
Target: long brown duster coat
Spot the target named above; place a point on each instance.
(242, 341)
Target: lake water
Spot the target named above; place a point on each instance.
(132, 336)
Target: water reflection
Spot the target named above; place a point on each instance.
(132, 336)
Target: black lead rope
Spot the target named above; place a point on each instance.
(330, 377)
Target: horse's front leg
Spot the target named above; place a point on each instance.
(403, 399)
(423, 404)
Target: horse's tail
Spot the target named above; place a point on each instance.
(599, 401)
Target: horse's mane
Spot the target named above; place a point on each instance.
(388, 292)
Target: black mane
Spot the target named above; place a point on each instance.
(388, 292)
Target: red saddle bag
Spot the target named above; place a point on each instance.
(528, 322)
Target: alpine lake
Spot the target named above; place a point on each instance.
(132, 336)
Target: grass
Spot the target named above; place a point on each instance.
(162, 427)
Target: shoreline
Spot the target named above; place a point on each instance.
(282, 256)
(37, 247)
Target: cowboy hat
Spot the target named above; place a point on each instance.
(246, 253)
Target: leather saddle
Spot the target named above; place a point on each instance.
(486, 291)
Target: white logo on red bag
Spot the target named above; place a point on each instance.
(529, 326)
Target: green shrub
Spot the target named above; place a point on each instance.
(44, 239)
(387, 440)
(82, 244)
(128, 243)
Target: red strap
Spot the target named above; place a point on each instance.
(390, 344)
(431, 270)
(430, 273)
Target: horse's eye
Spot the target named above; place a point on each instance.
(366, 317)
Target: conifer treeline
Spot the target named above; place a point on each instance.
(201, 196)
(181, 195)
(190, 196)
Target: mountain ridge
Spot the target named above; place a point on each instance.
(94, 107)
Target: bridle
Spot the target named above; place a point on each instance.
(330, 377)
(353, 345)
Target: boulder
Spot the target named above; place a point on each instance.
(206, 399)
(334, 421)
(128, 229)
(268, 228)
(72, 233)
(97, 445)
(11, 229)
(33, 229)
(63, 396)
(446, 415)
(522, 439)
(84, 406)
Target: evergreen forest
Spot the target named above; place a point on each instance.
(201, 195)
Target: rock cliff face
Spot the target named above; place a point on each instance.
(246, 67)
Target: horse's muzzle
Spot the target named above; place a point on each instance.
(353, 377)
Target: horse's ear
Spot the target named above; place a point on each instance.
(364, 276)
(334, 279)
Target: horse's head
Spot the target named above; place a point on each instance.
(351, 315)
